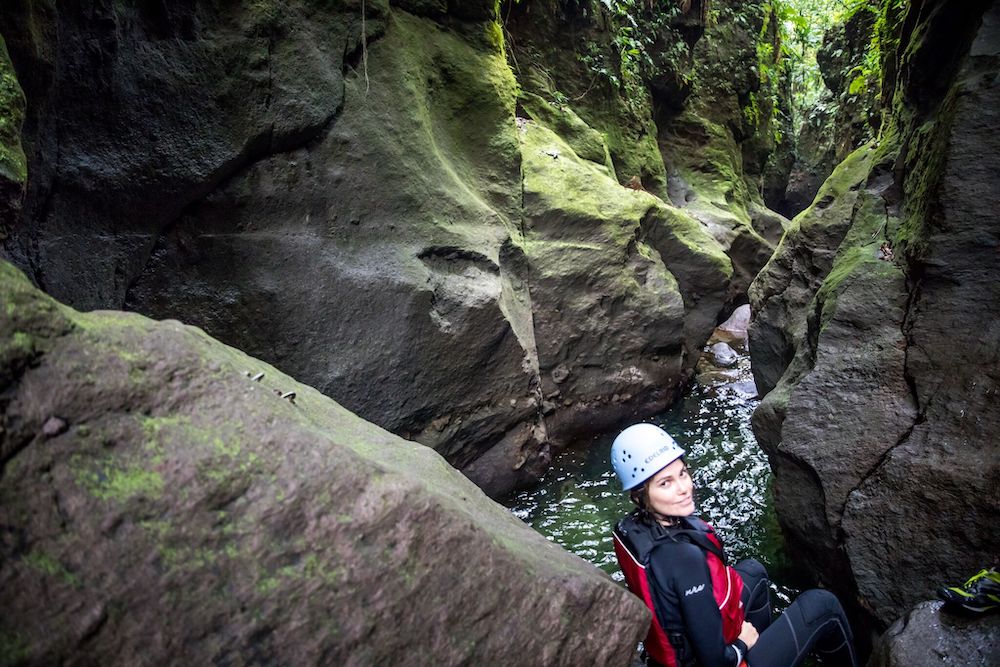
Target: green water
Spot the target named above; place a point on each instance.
(580, 499)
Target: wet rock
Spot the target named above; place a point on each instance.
(746, 388)
(53, 426)
(928, 636)
(739, 321)
(716, 377)
(245, 529)
(723, 355)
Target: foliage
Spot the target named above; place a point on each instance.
(642, 33)
(802, 25)
(13, 165)
(772, 65)
(867, 76)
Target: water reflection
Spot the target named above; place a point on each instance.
(579, 500)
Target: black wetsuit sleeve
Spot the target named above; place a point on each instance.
(682, 598)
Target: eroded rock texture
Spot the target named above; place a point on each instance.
(874, 332)
(928, 635)
(719, 146)
(160, 503)
(348, 195)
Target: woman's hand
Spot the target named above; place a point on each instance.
(748, 634)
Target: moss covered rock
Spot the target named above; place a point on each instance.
(610, 277)
(556, 49)
(873, 333)
(382, 261)
(13, 164)
(155, 478)
(715, 173)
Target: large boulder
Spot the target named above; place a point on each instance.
(347, 202)
(927, 636)
(873, 332)
(165, 498)
(620, 285)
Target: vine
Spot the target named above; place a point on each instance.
(867, 76)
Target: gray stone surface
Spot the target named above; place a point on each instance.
(722, 355)
(357, 216)
(184, 511)
(928, 636)
(880, 419)
(739, 321)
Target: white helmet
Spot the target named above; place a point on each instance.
(641, 451)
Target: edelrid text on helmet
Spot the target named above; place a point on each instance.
(640, 451)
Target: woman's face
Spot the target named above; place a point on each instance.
(671, 492)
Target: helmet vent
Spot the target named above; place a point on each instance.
(645, 445)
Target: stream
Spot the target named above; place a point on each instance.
(580, 499)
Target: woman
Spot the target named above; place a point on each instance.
(705, 612)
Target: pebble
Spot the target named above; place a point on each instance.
(54, 426)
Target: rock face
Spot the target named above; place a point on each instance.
(928, 636)
(160, 503)
(846, 115)
(13, 167)
(872, 324)
(717, 146)
(348, 196)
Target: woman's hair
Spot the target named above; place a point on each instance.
(640, 498)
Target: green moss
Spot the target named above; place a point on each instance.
(847, 176)
(231, 449)
(453, 146)
(631, 141)
(557, 179)
(927, 149)
(112, 482)
(13, 649)
(706, 155)
(13, 164)
(691, 234)
(183, 558)
(586, 142)
(267, 585)
(309, 568)
(17, 346)
(47, 565)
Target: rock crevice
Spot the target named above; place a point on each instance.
(882, 399)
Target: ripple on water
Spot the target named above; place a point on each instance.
(580, 500)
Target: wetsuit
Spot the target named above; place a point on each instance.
(681, 571)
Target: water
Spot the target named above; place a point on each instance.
(580, 499)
